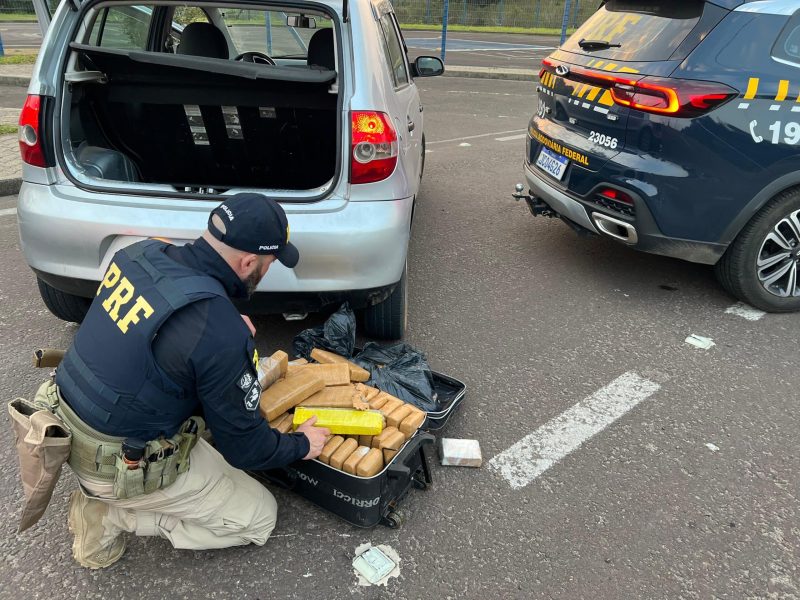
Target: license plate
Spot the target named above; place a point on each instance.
(551, 163)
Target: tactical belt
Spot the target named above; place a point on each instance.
(97, 456)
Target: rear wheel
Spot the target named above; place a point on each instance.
(387, 320)
(762, 266)
(65, 306)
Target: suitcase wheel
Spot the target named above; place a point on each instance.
(395, 518)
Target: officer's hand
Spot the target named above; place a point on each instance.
(317, 436)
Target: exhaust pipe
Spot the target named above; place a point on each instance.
(615, 228)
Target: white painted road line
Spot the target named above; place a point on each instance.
(5, 212)
(535, 453)
(508, 138)
(740, 309)
(472, 137)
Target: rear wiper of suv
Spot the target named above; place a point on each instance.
(597, 44)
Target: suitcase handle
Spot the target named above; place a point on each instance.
(397, 468)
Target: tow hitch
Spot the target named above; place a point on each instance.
(535, 205)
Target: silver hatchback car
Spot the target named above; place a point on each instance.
(140, 117)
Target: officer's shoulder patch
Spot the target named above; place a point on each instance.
(246, 381)
(252, 396)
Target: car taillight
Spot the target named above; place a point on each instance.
(658, 95)
(374, 147)
(30, 139)
(616, 195)
(616, 200)
(675, 97)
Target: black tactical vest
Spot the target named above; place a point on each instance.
(109, 376)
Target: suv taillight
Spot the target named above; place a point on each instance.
(658, 95)
(374, 147)
(30, 139)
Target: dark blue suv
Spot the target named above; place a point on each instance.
(673, 126)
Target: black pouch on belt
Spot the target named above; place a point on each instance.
(43, 444)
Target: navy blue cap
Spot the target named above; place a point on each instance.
(255, 224)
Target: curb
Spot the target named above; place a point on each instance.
(474, 72)
(10, 187)
(15, 80)
(491, 73)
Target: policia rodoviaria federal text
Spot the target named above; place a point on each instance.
(161, 343)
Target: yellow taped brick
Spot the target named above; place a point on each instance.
(342, 421)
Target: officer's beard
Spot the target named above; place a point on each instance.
(252, 282)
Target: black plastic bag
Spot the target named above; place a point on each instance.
(338, 335)
(402, 371)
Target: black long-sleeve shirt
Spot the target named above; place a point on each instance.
(207, 349)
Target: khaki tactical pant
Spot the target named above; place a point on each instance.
(212, 505)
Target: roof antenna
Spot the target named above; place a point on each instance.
(344, 11)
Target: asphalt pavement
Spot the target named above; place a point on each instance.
(692, 492)
(21, 36)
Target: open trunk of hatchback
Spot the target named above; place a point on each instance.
(197, 124)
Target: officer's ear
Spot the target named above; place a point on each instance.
(248, 263)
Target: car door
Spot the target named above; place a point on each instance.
(405, 100)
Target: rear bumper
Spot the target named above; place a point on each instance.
(348, 250)
(260, 303)
(648, 237)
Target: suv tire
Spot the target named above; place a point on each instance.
(739, 271)
(387, 320)
(65, 306)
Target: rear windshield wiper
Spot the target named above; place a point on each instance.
(597, 45)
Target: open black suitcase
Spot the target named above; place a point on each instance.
(368, 501)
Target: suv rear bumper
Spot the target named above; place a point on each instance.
(647, 236)
(347, 249)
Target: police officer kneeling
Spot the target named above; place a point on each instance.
(161, 340)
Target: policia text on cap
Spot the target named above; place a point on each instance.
(162, 340)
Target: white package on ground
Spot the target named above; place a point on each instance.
(460, 453)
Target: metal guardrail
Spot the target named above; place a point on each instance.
(534, 16)
(22, 7)
(528, 14)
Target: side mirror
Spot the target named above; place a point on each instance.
(301, 22)
(428, 66)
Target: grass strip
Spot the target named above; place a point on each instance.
(20, 17)
(483, 29)
(18, 59)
